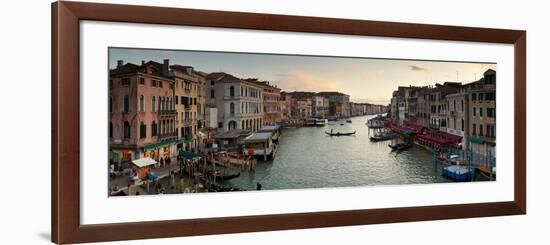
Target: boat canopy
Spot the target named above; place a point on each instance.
(144, 162)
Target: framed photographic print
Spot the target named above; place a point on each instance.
(177, 122)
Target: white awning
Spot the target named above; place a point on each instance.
(144, 162)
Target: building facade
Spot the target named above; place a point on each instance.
(301, 105)
(189, 103)
(239, 102)
(338, 104)
(466, 110)
(458, 118)
(141, 111)
(272, 107)
(320, 107)
(482, 112)
(285, 105)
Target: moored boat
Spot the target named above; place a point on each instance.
(339, 134)
(382, 136)
(376, 122)
(459, 173)
(320, 122)
(316, 122)
(220, 176)
(400, 146)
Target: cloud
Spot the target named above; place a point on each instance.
(294, 80)
(418, 68)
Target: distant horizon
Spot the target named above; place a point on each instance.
(365, 80)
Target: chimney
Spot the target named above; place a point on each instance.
(189, 70)
(119, 63)
(142, 62)
(165, 66)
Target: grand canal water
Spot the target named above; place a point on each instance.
(308, 158)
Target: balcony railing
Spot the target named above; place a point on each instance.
(167, 112)
(168, 135)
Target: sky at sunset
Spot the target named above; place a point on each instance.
(364, 79)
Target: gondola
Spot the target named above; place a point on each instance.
(219, 176)
(400, 146)
(340, 134)
(228, 177)
(220, 188)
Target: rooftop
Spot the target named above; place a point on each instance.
(232, 134)
(262, 136)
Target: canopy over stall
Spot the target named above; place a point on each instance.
(144, 162)
(144, 166)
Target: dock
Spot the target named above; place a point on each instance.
(233, 160)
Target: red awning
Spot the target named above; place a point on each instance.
(410, 127)
(440, 138)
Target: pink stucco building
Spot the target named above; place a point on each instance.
(141, 111)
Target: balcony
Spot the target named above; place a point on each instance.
(168, 135)
(188, 122)
(167, 112)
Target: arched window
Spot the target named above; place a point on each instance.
(154, 129)
(160, 106)
(153, 104)
(232, 108)
(232, 91)
(141, 103)
(212, 94)
(126, 130)
(110, 130)
(110, 103)
(142, 130)
(125, 103)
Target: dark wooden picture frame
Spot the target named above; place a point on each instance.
(65, 175)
